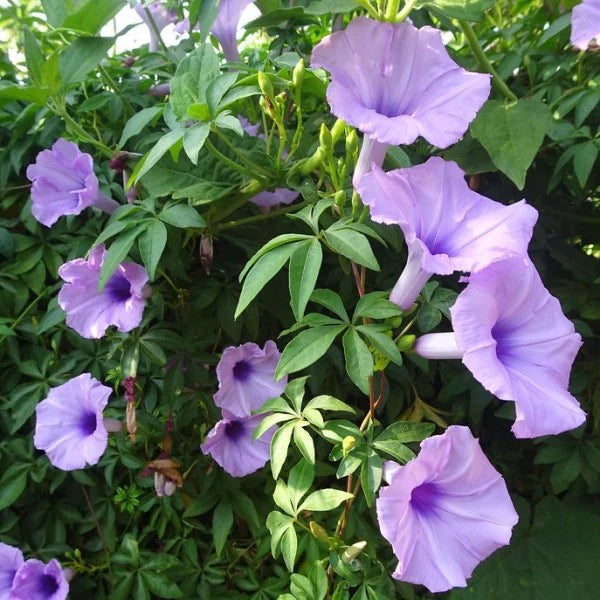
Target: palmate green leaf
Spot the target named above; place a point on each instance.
(269, 421)
(281, 497)
(325, 402)
(262, 272)
(359, 361)
(371, 474)
(395, 449)
(352, 245)
(323, 500)
(306, 348)
(405, 431)
(304, 442)
(182, 215)
(583, 161)
(221, 524)
(375, 306)
(152, 243)
(299, 482)
(295, 391)
(289, 547)
(194, 139)
(305, 264)
(93, 15)
(279, 447)
(164, 144)
(468, 10)
(512, 134)
(330, 300)
(83, 55)
(137, 123)
(160, 584)
(383, 343)
(191, 80)
(27, 93)
(280, 240)
(33, 57)
(277, 524)
(217, 89)
(12, 484)
(116, 254)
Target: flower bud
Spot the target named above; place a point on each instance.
(298, 73)
(318, 531)
(337, 130)
(348, 444)
(352, 142)
(340, 199)
(325, 139)
(351, 552)
(265, 85)
(406, 343)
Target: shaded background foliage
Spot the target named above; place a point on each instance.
(210, 540)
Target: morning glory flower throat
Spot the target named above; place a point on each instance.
(445, 511)
(121, 302)
(394, 83)
(69, 425)
(38, 581)
(64, 183)
(246, 377)
(513, 336)
(447, 226)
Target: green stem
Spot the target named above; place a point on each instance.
(405, 11)
(25, 312)
(367, 6)
(273, 213)
(81, 132)
(230, 163)
(484, 62)
(251, 164)
(392, 10)
(246, 193)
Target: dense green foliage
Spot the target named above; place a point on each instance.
(193, 229)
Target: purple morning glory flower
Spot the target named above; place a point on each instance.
(447, 226)
(585, 23)
(395, 83)
(11, 560)
(38, 581)
(69, 425)
(246, 377)
(225, 26)
(445, 511)
(231, 445)
(513, 336)
(64, 183)
(162, 17)
(90, 312)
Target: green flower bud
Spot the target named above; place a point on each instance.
(340, 199)
(337, 130)
(348, 444)
(352, 142)
(298, 73)
(406, 343)
(265, 85)
(318, 531)
(325, 139)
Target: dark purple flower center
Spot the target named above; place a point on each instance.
(242, 370)
(234, 430)
(423, 498)
(88, 423)
(499, 333)
(47, 585)
(118, 288)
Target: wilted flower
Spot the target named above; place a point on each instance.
(445, 511)
(225, 26)
(513, 336)
(447, 226)
(585, 23)
(90, 312)
(231, 445)
(11, 560)
(163, 486)
(161, 16)
(69, 424)
(395, 83)
(64, 183)
(246, 378)
(38, 581)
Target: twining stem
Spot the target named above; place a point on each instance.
(100, 531)
(405, 11)
(484, 62)
(392, 10)
(273, 213)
